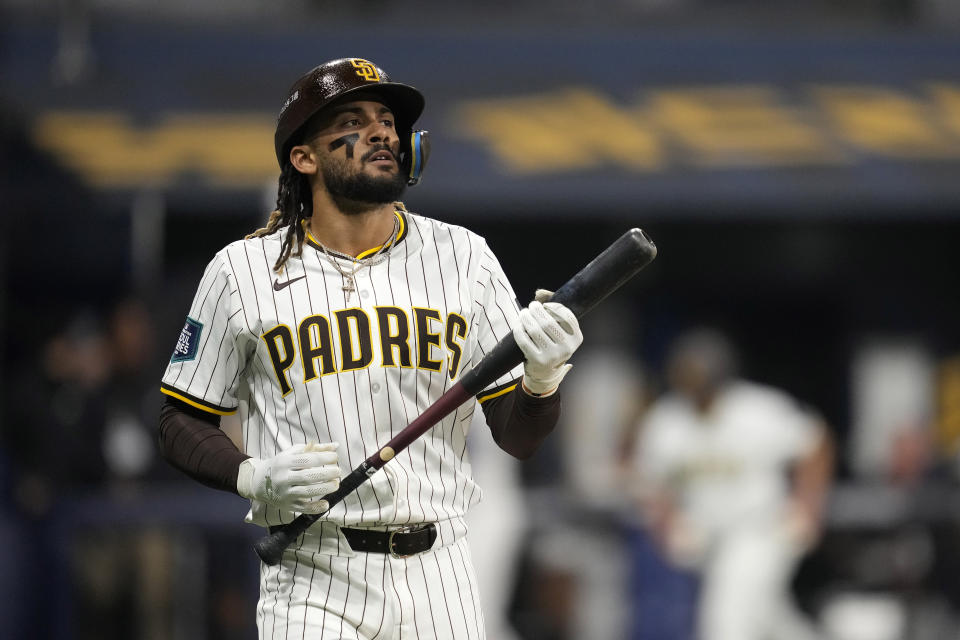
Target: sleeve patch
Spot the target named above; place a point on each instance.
(188, 341)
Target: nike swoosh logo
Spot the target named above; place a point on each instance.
(280, 286)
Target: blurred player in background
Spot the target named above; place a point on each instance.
(732, 478)
(329, 331)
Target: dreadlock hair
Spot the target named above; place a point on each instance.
(294, 206)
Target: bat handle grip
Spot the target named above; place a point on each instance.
(271, 546)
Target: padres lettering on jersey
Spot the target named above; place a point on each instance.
(302, 363)
(356, 334)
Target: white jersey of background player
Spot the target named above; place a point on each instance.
(329, 331)
(715, 458)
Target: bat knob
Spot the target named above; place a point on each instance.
(270, 548)
(644, 242)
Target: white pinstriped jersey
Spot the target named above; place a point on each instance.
(303, 363)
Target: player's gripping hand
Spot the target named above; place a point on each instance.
(294, 480)
(548, 333)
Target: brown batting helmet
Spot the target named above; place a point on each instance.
(331, 80)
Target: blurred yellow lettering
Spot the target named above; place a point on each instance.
(568, 130)
(106, 148)
(738, 126)
(946, 99)
(883, 121)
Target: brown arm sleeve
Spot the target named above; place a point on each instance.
(520, 422)
(191, 440)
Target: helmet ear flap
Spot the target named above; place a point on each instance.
(416, 155)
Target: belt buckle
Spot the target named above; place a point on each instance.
(404, 529)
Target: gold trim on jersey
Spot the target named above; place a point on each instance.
(401, 232)
(399, 211)
(497, 393)
(209, 407)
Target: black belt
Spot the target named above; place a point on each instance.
(399, 543)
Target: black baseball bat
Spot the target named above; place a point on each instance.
(606, 273)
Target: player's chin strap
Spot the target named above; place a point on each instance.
(416, 159)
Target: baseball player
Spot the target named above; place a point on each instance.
(715, 458)
(329, 330)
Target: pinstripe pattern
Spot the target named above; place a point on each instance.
(435, 275)
(371, 596)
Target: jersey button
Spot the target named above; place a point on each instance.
(364, 294)
(376, 387)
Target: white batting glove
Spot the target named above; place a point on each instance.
(547, 333)
(294, 480)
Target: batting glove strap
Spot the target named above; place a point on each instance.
(245, 477)
(543, 387)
